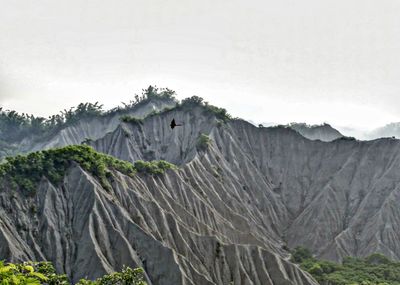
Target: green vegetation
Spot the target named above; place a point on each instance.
(376, 269)
(127, 276)
(131, 120)
(15, 126)
(301, 253)
(345, 138)
(25, 172)
(193, 101)
(153, 167)
(6, 149)
(278, 127)
(87, 141)
(188, 104)
(307, 126)
(36, 273)
(203, 142)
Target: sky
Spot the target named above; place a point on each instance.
(310, 61)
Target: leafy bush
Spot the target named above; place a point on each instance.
(127, 276)
(37, 273)
(377, 258)
(131, 119)
(153, 167)
(30, 273)
(301, 253)
(375, 269)
(87, 141)
(194, 101)
(150, 93)
(344, 138)
(203, 142)
(26, 172)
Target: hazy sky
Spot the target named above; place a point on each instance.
(269, 61)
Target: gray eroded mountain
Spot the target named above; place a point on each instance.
(89, 127)
(179, 226)
(337, 198)
(324, 132)
(240, 194)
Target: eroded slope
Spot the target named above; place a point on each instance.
(179, 226)
(337, 198)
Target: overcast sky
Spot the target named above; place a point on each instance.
(268, 61)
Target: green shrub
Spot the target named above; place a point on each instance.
(300, 254)
(26, 172)
(203, 142)
(153, 167)
(87, 141)
(127, 276)
(27, 273)
(316, 270)
(130, 119)
(37, 273)
(345, 138)
(194, 101)
(377, 258)
(375, 269)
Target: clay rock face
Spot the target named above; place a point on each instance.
(302, 192)
(241, 194)
(177, 226)
(338, 196)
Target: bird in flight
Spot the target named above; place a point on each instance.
(173, 124)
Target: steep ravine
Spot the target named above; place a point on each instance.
(303, 192)
(225, 215)
(179, 232)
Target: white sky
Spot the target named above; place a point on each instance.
(313, 61)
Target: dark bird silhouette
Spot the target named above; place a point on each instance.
(173, 124)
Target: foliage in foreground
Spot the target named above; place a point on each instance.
(36, 273)
(26, 172)
(375, 269)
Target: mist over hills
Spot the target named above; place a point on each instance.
(238, 198)
(323, 132)
(327, 132)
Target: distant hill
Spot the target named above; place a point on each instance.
(389, 130)
(324, 132)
